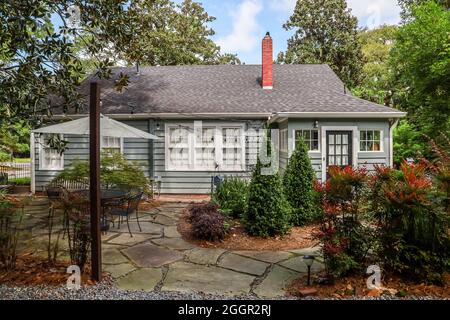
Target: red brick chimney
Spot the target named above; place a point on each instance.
(267, 61)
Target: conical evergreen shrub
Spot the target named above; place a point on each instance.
(298, 185)
(268, 212)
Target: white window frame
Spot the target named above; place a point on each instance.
(309, 129)
(42, 147)
(284, 140)
(192, 146)
(381, 140)
(120, 139)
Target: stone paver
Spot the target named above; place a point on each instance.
(125, 239)
(113, 256)
(204, 256)
(143, 279)
(119, 270)
(173, 243)
(275, 282)
(188, 277)
(149, 255)
(146, 227)
(243, 264)
(313, 251)
(266, 256)
(164, 220)
(298, 265)
(171, 232)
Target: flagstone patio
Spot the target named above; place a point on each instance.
(158, 259)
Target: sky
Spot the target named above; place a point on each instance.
(241, 24)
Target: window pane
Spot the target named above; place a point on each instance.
(338, 149)
(338, 139)
(331, 138)
(363, 146)
(338, 161)
(315, 134)
(369, 135)
(345, 160)
(369, 146)
(331, 150)
(308, 145)
(345, 139)
(376, 146)
(331, 160)
(363, 135)
(345, 149)
(315, 145)
(306, 134)
(377, 135)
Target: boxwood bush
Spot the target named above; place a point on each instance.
(268, 212)
(231, 195)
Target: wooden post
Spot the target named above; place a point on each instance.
(94, 159)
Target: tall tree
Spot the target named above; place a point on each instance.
(173, 34)
(375, 78)
(325, 32)
(420, 60)
(407, 6)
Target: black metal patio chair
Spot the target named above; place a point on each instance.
(131, 207)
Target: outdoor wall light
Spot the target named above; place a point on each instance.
(158, 126)
(309, 260)
(316, 124)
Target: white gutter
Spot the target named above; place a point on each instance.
(166, 115)
(32, 156)
(338, 115)
(391, 142)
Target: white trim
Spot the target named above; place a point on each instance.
(381, 141)
(208, 116)
(355, 145)
(33, 159)
(391, 142)
(338, 115)
(121, 142)
(318, 142)
(218, 144)
(41, 144)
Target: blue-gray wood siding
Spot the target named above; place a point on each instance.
(140, 151)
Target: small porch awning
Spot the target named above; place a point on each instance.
(108, 128)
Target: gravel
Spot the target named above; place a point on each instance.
(107, 291)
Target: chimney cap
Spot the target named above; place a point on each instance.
(267, 34)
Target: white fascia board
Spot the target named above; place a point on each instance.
(338, 115)
(206, 116)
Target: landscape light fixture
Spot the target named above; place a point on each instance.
(309, 260)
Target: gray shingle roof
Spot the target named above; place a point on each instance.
(229, 89)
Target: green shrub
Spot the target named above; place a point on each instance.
(231, 195)
(298, 186)
(413, 224)
(115, 171)
(24, 181)
(268, 212)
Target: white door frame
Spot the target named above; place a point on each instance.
(355, 145)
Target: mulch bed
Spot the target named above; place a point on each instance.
(33, 270)
(238, 239)
(356, 286)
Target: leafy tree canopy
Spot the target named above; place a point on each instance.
(420, 60)
(407, 6)
(375, 83)
(325, 32)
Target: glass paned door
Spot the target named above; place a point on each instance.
(339, 148)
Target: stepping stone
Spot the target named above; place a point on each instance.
(312, 251)
(188, 277)
(171, 232)
(119, 270)
(125, 238)
(204, 256)
(142, 279)
(149, 255)
(243, 264)
(113, 256)
(173, 243)
(173, 215)
(266, 256)
(146, 227)
(299, 265)
(164, 220)
(275, 283)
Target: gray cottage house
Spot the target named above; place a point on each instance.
(210, 120)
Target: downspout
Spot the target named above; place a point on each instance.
(391, 142)
(151, 130)
(32, 156)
